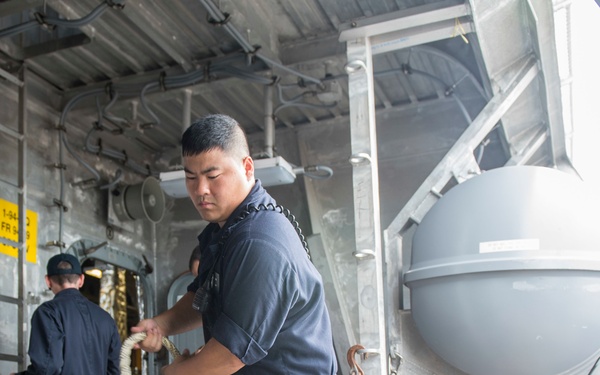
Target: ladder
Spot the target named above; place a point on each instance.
(21, 189)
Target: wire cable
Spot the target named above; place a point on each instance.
(17, 29)
(97, 12)
(315, 172)
(222, 20)
(49, 21)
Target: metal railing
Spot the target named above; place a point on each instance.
(20, 244)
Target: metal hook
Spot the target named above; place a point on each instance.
(360, 158)
(354, 66)
(354, 367)
(395, 357)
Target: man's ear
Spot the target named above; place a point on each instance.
(249, 168)
(48, 282)
(80, 281)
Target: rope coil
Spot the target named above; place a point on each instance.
(127, 346)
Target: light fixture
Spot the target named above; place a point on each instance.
(94, 268)
(274, 171)
(173, 183)
(94, 272)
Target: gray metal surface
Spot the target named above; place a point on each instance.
(365, 179)
(498, 265)
(133, 45)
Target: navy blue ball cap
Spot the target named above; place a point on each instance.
(52, 267)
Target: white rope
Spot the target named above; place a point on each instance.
(127, 346)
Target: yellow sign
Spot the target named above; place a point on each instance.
(9, 229)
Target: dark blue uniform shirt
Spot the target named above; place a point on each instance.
(71, 335)
(270, 305)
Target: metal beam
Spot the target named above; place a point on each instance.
(8, 76)
(402, 20)
(9, 299)
(113, 44)
(420, 35)
(9, 357)
(12, 133)
(537, 140)
(367, 218)
(22, 206)
(542, 16)
(18, 6)
(138, 80)
(54, 45)
(142, 16)
(307, 51)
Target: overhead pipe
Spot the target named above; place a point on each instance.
(187, 109)
(296, 101)
(42, 20)
(165, 83)
(168, 82)
(318, 172)
(222, 20)
(269, 121)
(191, 78)
(187, 113)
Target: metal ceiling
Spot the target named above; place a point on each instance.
(218, 56)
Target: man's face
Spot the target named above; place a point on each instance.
(217, 183)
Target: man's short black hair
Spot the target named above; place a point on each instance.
(212, 132)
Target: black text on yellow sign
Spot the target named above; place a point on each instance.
(9, 229)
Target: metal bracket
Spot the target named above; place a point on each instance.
(60, 204)
(394, 362)
(55, 243)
